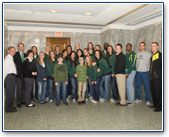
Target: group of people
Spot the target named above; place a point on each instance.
(84, 74)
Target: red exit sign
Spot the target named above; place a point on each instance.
(57, 34)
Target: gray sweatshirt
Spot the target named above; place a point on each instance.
(143, 61)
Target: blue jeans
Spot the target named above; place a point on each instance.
(114, 88)
(50, 85)
(104, 87)
(61, 88)
(130, 85)
(47, 90)
(74, 86)
(41, 91)
(95, 88)
(143, 77)
(68, 88)
(88, 84)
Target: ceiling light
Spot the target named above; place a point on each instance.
(88, 14)
(53, 11)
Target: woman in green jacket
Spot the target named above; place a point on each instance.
(105, 70)
(111, 56)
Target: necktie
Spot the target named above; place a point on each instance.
(22, 57)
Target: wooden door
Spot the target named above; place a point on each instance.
(61, 42)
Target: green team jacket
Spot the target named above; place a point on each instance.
(50, 67)
(71, 70)
(37, 57)
(103, 54)
(92, 72)
(111, 60)
(130, 61)
(104, 67)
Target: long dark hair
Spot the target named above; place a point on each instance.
(77, 54)
(101, 56)
(50, 59)
(75, 59)
(113, 52)
(70, 47)
(36, 49)
(88, 46)
(63, 52)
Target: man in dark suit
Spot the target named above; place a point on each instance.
(18, 59)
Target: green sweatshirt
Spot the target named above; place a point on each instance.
(130, 61)
(104, 67)
(50, 67)
(65, 61)
(46, 57)
(92, 72)
(37, 57)
(60, 73)
(71, 70)
(57, 55)
(112, 59)
(81, 72)
(103, 54)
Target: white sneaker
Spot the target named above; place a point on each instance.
(102, 100)
(51, 100)
(90, 97)
(87, 100)
(138, 101)
(94, 101)
(74, 100)
(112, 100)
(148, 103)
(130, 103)
(47, 99)
(67, 99)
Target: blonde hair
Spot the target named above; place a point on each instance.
(78, 45)
(45, 49)
(39, 58)
(90, 61)
(58, 47)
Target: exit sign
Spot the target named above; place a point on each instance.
(58, 34)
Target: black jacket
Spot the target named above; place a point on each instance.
(18, 62)
(156, 67)
(41, 72)
(28, 68)
(119, 67)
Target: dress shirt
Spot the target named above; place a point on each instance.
(9, 66)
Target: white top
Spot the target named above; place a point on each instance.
(9, 66)
(43, 65)
(143, 61)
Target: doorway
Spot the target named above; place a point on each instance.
(61, 42)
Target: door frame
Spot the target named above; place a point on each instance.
(60, 38)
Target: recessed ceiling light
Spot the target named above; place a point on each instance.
(53, 11)
(88, 14)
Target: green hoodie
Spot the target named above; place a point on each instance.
(130, 61)
(112, 59)
(104, 67)
(92, 72)
(50, 67)
(71, 70)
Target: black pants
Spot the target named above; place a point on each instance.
(36, 91)
(156, 92)
(29, 82)
(10, 91)
(20, 89)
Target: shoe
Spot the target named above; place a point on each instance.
(57, 104)
(138, 101)
(51, 100)
(66, 104)
(30, 105)
(12, 110)
(13, 107)
(19, 105)
(90, 97)
(74, 100)
(47, 99)
(148, 103)
(23, 102)
(152, 106)
(130, 103)
(94, 101)
(79, 103)
(67, 99)
(157, 110)
(119, 104)
(87, 100)
(45, 102)
(102, 100)
(112, 100)
(41, 103)
(83, 102)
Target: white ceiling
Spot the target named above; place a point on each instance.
(73, 15)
